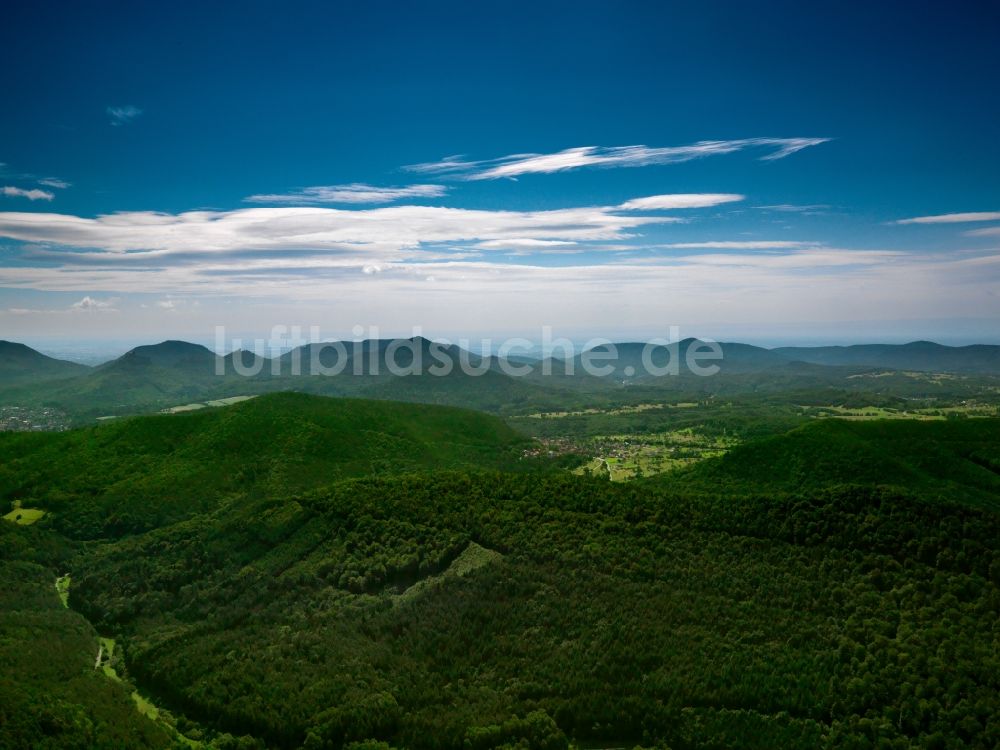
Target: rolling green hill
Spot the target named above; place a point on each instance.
(295, 571)
(143, 472)
(21, 364)
(955, 459)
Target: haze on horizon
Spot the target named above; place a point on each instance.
(604, 169)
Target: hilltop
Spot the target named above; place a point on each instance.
(174, 373)
(22, 364)
(142, 472)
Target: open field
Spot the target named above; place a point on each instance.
(614, 411)
(207, 404)
(105, 653)
(876, 412)
(923, 377)
(24, 516)
(472, 558)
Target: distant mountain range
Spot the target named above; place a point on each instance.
(174, 373)
(18, 360)
(917, 355)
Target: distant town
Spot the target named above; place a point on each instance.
(38, 419)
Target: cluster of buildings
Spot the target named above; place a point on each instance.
(32, 419)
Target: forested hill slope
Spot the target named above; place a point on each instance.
(956, 459)
(489, 611)
(22, 364)
(268, 574)
(142, 472)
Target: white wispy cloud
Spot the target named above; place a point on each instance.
(739, 245)
(32, 195)
(811, 209)
(92, 304)
(123, 114)
(839, 285)
(54, 182)
(959, 218)
(385, 231)
(356, 192)
(679, 200)
(522, 243)
(799, 259)
(515, 165)
(986, 232)
(86, 305)
(400, 264)
(51, 182)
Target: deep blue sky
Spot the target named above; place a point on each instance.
(236, 100)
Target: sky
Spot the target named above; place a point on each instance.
(772, 173)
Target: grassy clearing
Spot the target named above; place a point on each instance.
(228, 401)
(62, 588)
(925, 414)
(938, 378)
(633, 455)
(24, 516)
(472, 558)
(207, 404)
(106, 652)
(145, 707)
(184, 408)
(617, 411)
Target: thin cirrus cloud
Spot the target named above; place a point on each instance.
(515, 165)
(123, 114)
(55, 182)
(49, 182)
(986, 232)
(522, 244)
(32, 195)
(356, 192)
(680, 200)
(812, 209)
(740, 245)
(959, 218)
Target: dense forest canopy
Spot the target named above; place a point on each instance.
(293, 571)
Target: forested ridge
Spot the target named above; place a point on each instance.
(958, 459)
(440, 605)
(142, 473)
